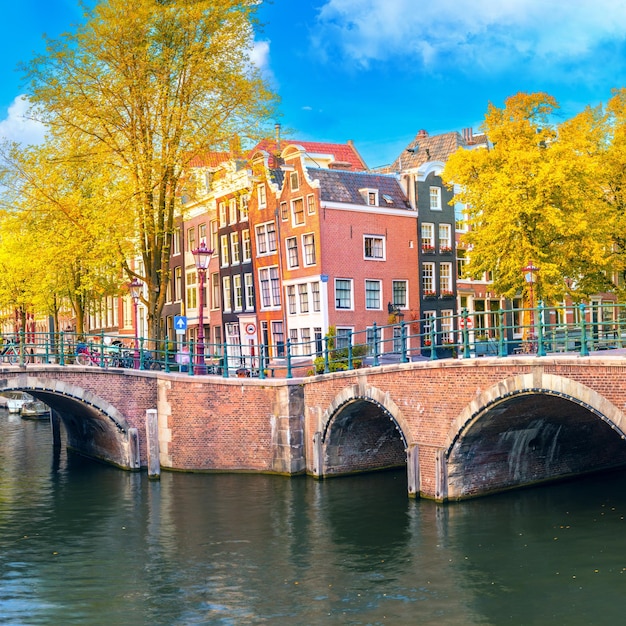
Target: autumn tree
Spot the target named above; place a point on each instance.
(64, 205)
(532, 197)
(148, 87)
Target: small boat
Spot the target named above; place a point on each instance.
(35, 410)
(15, 400)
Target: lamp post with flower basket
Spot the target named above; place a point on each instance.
(529, 277)
(202, 257)
(135, 287)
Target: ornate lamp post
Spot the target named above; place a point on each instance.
(529, 277)
(202, 257)
(135, 287)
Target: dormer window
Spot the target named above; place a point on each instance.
(370, 196)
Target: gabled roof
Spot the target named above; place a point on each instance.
(346, 187)
(424, 148)
(209, 159)
(345, 155)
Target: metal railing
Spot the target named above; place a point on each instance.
(579, 329)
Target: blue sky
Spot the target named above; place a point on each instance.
(377, 71)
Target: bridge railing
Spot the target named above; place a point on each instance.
(542, 330)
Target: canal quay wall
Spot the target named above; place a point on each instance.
(461, 427)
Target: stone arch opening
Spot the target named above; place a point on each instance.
(94, 427)
(362, 432)
(531, 434)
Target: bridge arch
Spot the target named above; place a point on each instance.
(94, 426)
(362, 430)
(527, 429)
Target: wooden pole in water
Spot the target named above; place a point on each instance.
(152, 437)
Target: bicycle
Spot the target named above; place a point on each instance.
(85, 356)
(11, 353)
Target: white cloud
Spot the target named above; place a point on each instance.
(260, 54)
(18, 127)
(486, 35)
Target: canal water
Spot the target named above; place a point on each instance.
(83, 543)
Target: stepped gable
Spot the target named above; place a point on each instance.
(346, 187)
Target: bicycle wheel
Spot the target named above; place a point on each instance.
(12, 356)
(82, 358)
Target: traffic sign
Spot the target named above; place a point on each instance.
(180, 324)
(466, 323)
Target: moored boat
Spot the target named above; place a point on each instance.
(15, 400)
(35, 409)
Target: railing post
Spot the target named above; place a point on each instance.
(326, 364)
(501, 342)
(375, 331)
(225, 360)
(61, 348)
(22, 361)
(350, 355)
(465, 333)
(541, 348)
(405, 356)
(192, 353)
(141, 355)
(584, 350)
(262, 361)
(433, 338)
(289, 373)
(102, 348)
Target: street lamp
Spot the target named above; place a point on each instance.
(135, 287)
(202, 258)
(529, 277)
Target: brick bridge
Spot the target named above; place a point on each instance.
(461, 427)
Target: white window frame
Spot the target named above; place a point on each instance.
(427, 230)
(235, 250)
(237, 293)
(265, 238)
(243, 207)
(261, 196)
(397, 301)
(291, 248)
(246, 247)
(435, 198)
(225, 249)
(445, 237)
(377, 247)
(369, 284)
(249, 291)
(445, 278)
(297, 215)
(308, 249)
(227, 294)
(350, 284)
(427, 279)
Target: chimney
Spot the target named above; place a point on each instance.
(277, 129)
(468, 135)
(422, 133)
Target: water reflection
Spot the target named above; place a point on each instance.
(84, 543)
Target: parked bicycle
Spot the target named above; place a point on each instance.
(86, 356)
(10, 352)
